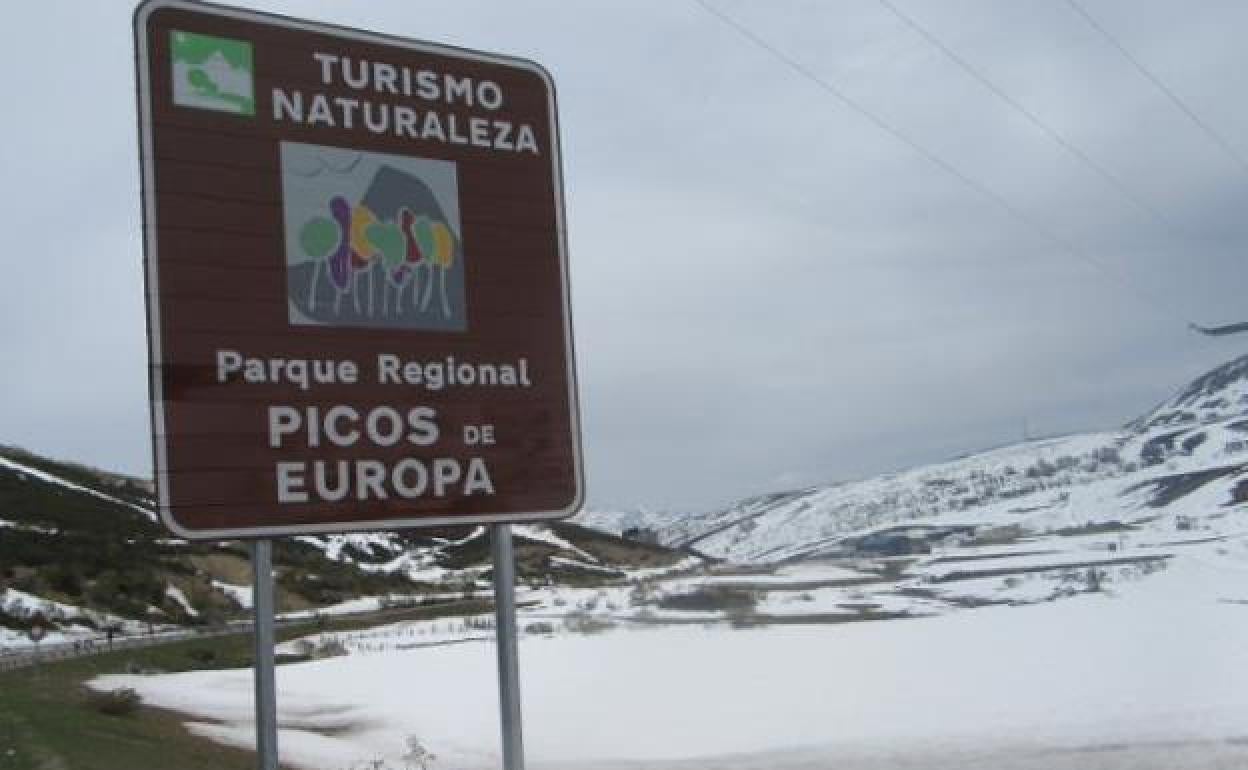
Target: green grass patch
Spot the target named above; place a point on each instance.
(47, 721)
(50, 721)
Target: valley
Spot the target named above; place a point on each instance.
(1072, 601)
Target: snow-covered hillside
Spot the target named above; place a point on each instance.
(81, 550)
(1178, 467)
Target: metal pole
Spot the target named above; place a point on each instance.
(266, 690)
(508, 657)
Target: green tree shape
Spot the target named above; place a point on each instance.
(387, 239)
(317, 239)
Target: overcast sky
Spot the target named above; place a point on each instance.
(768, 290)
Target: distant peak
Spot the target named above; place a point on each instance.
(1220, 392)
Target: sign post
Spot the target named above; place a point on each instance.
(357, 291)
(508, 655)
(263, 611)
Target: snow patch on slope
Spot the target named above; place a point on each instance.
(50, 479)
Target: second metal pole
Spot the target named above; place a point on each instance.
(266, 689)
(508, 656)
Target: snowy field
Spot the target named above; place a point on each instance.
(1151, 674)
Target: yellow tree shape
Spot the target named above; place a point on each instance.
(441, 243)
(362, 253)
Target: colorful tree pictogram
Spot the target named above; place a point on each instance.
(362, 253)
(444, 257)
(318, 238)
(387, 239)
(352, 242)
(413, 258)
(340, 259)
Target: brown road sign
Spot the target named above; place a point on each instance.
(357, 281)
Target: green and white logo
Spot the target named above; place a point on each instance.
(212, 73)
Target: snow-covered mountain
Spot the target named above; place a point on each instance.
(619, 521)
(1182, 465)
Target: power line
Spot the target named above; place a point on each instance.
(1208, 130)
(879, 122)
(1053, 134)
